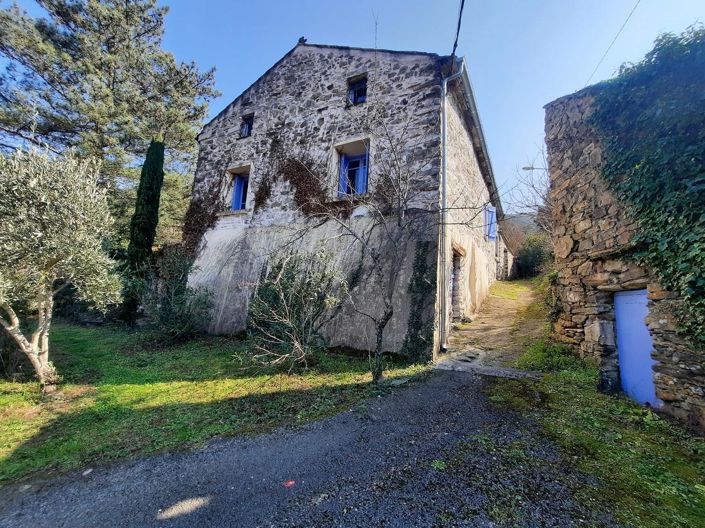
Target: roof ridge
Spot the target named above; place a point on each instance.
(303, 42)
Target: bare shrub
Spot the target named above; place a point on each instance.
(290, 303)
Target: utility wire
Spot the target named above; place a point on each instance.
(457, 31)
(613, 41)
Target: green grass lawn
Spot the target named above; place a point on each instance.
(511, 289)
(121, 398)
(652, 473)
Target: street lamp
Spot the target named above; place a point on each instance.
(532, 168)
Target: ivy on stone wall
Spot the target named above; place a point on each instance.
(652, 121)
(202, 214)
(418, 342)
(309, 193)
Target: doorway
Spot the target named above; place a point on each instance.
(634, 347)
(455, 294)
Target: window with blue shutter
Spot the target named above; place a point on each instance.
(240, 183)
(490, 222)
(357, 91)
(353, 174)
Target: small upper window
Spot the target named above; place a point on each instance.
(246, 126)
(357, 91)
(240, 183)
(490, 222)
(353, 174)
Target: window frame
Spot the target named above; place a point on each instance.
(247, 124)
(354, 85)
(240, 187)
(361, 184)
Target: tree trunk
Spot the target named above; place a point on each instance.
(47, 378)
(378, 370)
(36, 349)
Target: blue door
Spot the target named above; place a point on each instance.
(634, 346)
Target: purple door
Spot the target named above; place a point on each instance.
(634, 346)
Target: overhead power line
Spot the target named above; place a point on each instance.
(457, 31)
(613, 41)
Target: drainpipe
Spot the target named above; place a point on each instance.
(444, 207)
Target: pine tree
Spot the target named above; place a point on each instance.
(92, 75)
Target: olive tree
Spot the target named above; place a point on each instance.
(53, 218)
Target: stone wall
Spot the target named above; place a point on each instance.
(506, 266)
(592, 232)
(300, 111)
(472, 259)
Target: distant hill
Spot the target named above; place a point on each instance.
(524, 221)
(516, 227)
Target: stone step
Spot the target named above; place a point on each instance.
(472, 361)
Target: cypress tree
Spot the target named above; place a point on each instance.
(143, 227)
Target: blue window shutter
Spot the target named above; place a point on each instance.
(343, 178)
(361, 181)
(243, 193)
(486, 222)
(238, 184)
(493, 222)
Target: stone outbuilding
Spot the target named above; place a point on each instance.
(610, 308)
(315, 104)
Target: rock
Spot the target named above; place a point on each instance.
(600, 332)
(614, 266)
(583, 225)
(564, 246)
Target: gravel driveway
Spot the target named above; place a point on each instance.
(433, 453)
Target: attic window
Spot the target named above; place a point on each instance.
(246, 125)
(357, 90)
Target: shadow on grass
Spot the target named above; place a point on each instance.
(109, 355)
(108, 431)
(117, 405)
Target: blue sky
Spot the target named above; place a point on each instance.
(522, 54)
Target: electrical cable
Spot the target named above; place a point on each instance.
(613, 41)
(457, 31)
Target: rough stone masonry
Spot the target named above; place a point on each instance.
(299, 110)
(592, 231)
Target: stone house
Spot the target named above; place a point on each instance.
(612, 309)
(347, 112)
